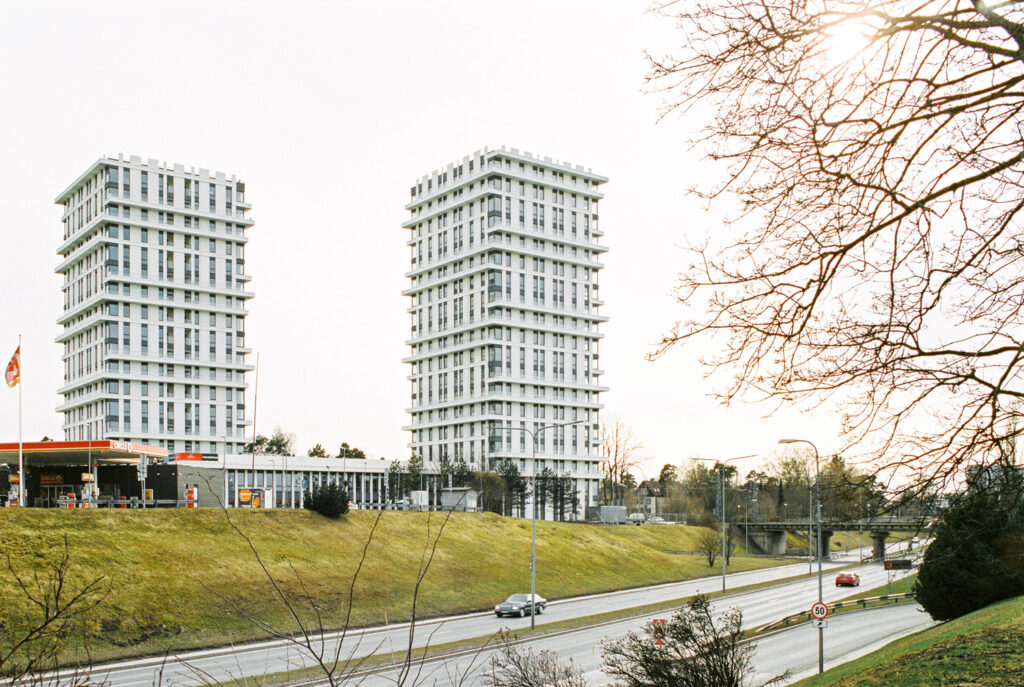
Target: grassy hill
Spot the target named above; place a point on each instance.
(185, 578)
(984, 648)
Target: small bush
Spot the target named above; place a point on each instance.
(329, 500)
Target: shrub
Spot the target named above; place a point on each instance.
(329, 500)
(693, 648)
(972, 562)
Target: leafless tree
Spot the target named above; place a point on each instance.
(874, 147)
(307, 630)
(621, 450)
(516, 666)
(732, 537)
(709, 543)
(689, 650)
(322, 646)
(33, 647)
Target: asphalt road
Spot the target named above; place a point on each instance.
(848, 636)
(202, 667)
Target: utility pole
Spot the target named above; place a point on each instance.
(534, 434)
(817, 490)
(721, 478)
(720, 464)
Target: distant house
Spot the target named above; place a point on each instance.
(649, 497)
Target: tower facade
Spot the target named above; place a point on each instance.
(505, 311)
(155, 291)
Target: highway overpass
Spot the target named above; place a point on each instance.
(771, 536)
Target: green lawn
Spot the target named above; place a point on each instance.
(840, 541)
(981, 649)
(902, 585)
(181, 578)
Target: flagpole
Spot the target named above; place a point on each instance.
(21, 453)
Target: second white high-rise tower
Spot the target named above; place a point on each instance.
(505, 309)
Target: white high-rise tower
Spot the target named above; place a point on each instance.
(153, 259)
(505, 313)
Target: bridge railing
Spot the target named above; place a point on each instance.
(840, 525)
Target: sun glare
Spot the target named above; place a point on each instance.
(846, 41)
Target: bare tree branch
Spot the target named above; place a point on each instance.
(874, 147)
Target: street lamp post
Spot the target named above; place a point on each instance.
(720, 464)
(746, 527)
(533, 511)
(810, 527)
(817, 493)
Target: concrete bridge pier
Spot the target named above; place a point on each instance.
(878, 545)
(772, 542)
(776, 543)
(826, 549)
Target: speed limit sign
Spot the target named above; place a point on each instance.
(819, 611)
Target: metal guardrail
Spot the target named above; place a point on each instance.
(137, 502)
(736, 554)
(115, 502)
(806, 615)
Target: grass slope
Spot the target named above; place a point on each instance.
(181, 578)
(903, 585)
(840, 541)
(981, 649)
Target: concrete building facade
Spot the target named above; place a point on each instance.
(505, 315)
(155, 291)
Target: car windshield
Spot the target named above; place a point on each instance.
(517, 599)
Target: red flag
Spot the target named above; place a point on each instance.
(13, 374)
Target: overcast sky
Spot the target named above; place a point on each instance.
(329, 111)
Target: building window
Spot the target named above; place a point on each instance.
(112, 415)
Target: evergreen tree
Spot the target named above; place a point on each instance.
(329, 499)
(347, 451)
(413, 472)
(515, 487)
(975, 559)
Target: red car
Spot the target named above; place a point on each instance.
(847, 579)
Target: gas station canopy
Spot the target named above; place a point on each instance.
(55, 453)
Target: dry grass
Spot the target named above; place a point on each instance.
(184, 579)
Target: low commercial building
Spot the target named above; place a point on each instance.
(280, 481)
(114, 473)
